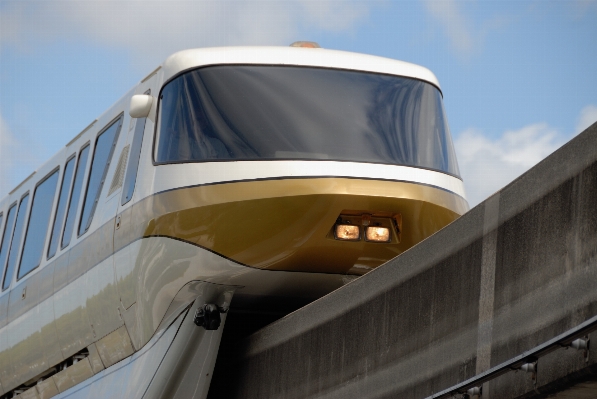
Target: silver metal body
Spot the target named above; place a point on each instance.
(119, 297)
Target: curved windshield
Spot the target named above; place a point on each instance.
(239, 112)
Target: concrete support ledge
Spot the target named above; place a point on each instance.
(514, 272)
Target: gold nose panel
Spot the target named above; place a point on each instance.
(286, 224)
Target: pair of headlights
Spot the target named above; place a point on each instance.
(348, 232)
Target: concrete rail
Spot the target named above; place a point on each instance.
(514, 272)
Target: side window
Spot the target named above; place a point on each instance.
(10, 220)
(67, 178)
(104, 148)
(131, 170)
(37, 226)
(75, 194)
(1, 219)
(16, 241)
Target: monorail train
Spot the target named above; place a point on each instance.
(228, 178)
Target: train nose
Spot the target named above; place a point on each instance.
(331, 225)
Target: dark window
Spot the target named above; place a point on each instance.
(131, 171)
(235, 112)
(74, 197)
(37, 226)
(104, 148)
(67, 178)
(10, 219)
(16, 242)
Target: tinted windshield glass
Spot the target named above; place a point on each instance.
(271, 112)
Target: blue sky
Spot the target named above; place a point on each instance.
(519, 77)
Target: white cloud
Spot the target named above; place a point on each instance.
(488, 165)
(456, 25)
(151, 30)
(588, 116)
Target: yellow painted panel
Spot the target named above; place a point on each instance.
(287, 224)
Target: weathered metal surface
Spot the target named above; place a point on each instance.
(115, 346)
(94, 359)
(47, 389)
(73, 375)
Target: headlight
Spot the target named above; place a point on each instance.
(377, 234)
(347, 232)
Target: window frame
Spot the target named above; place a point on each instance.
(1, 225)
(117, 120)
(1, 238)
(70, 197)
(133, 160)
(17, 260)
(157, 130)
(28, 221)
(3, 267)
(55, 213)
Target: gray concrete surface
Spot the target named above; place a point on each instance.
(514, 272)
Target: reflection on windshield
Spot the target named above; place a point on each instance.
(273, 112)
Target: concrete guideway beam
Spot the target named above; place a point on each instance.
(515, 272)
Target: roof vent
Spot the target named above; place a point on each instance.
(305, 44)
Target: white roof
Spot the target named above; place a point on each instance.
(316, 57)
